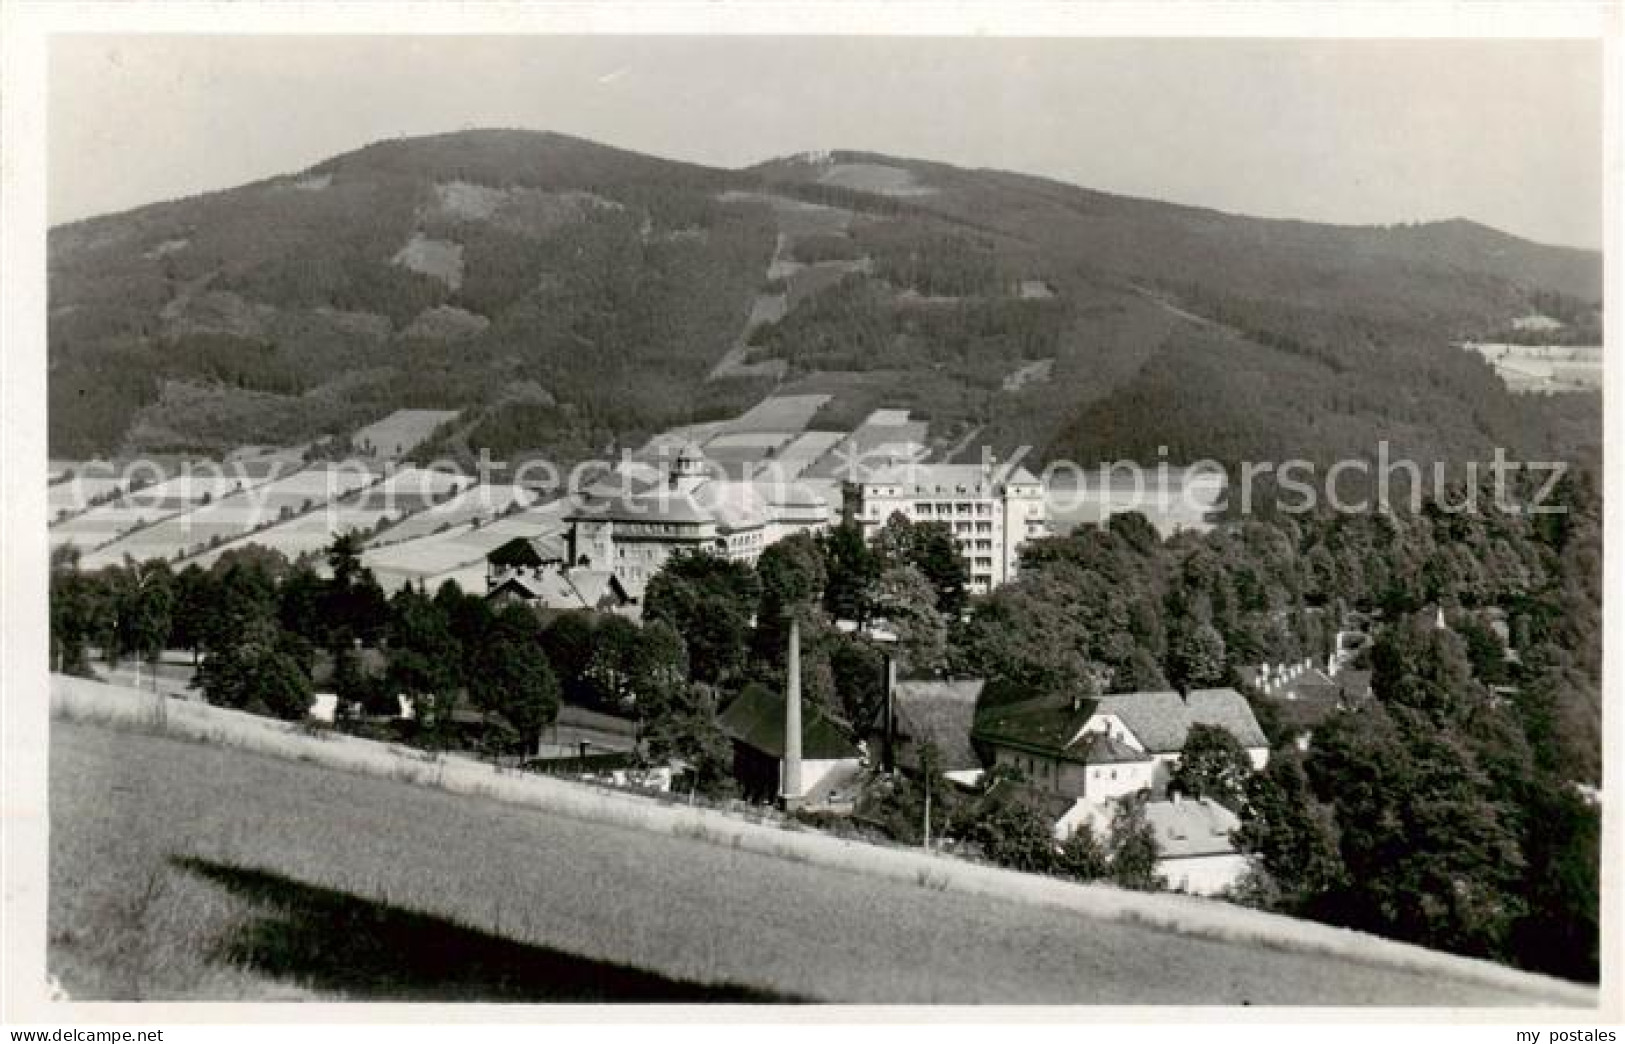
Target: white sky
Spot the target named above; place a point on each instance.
(1508, 133)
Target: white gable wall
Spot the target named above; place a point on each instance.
(1204, 875)
(1113, 726)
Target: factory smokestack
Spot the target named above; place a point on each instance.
(791, 784)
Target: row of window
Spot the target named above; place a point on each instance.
(927, 508)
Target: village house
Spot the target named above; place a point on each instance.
(1304, 697)
(535, 572)
(1195, 850)
(829, 761)
(1078, 759)
(1110, 746)
(939, 713)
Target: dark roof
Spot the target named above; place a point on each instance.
(1101, 749)
(1307, 701)
(1159, 720)
(1042, 724)
(528, 551)
(941, 713)
(756, 719)
(1356, 685)
(567, 589)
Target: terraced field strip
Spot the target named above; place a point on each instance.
(886, 435)
(459, 552)
(486, 500)
(402, 494)
(172, 498)
(778, 414)
(401, 431)
(233, 516)
(807, 449)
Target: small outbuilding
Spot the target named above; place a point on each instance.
(830, 760)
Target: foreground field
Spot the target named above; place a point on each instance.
(185, 870)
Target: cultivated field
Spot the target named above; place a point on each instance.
(90, 480)
(151, 504)
(233, 516)
(400, 432)
(884, 434)
(457, 553)
(779, 414)
(800, 455)
(795, 217)
(198, 870)
(439, 258)
(404, 493)
(485, 501)
(1544, 368)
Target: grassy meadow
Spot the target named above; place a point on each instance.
(196, 870)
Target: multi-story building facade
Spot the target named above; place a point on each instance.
(634, 532)
(991, 511)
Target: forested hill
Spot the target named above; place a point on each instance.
(573, 297)
(518, 275)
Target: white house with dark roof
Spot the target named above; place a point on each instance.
(1196, 850)
(1110, 746)
(1080, 758)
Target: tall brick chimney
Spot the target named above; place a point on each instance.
(790, 780)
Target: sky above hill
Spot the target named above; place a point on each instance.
(1508, 133)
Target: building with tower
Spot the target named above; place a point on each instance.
(632, 523)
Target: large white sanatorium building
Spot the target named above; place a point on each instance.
(992, 511)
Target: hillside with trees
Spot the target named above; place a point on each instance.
(572, 298)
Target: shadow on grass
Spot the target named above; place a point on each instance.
(369, 950)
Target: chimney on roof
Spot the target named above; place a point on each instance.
(791, 783)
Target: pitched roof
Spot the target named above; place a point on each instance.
(1355, 685)
(659, 504)
(1100, 749)
(1042, 724)
(756, 719)
(729, 503)
(1160, 721)
(566, 588)
(942, 713)
(529, 551)
(1188, 828)
(734, 505)
(597, 587)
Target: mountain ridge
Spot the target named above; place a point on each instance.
(436, 270)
